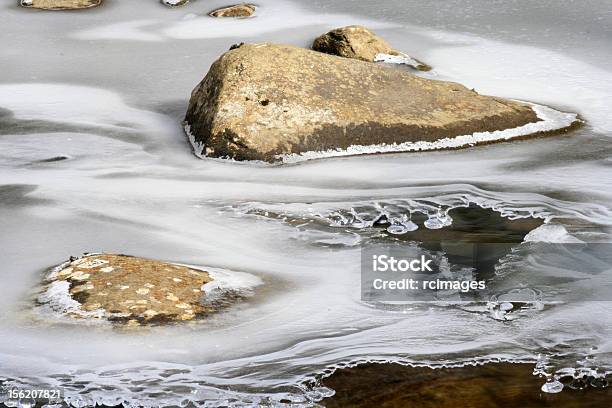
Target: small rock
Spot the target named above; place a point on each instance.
(360, 43)
(238, 10)
(60, 4)
(164, 284)
(174, 3)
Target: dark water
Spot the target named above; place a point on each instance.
(494, 385)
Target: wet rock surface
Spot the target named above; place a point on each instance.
(60, 4)
(238, 10)
(174, 3)
(360, 43)
(490, 385)
(127, 289)
(262, 101)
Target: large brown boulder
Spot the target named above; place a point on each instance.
(60, 4)
(262, 101)
(360, 43)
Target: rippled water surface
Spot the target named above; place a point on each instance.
(93, 158)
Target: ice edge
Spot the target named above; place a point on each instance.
(550, 120)
(198, 147)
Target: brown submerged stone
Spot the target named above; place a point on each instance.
(60, 4)
(358, 42)
(238, 10)
(135, 290)
(491, 385)
(262, 100)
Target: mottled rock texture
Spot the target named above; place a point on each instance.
(259, 101)
(60, 4)
(238, 10)
(359, 43)
(134, 290)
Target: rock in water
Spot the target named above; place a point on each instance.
(238, 10)
(174, 3)
(126, 289)
(264, 101)
(360, 43)
(492, 385)
(60, 4)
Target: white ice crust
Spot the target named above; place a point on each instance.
(552, 233)
(397, 59)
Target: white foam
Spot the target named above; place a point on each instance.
(550, 120)
(82, 105)
(136, 30)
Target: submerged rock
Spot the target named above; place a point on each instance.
(360, 43)
(60, 4)
(127, 289)
(489, 385)
(265, 101)
(238, 10)
(174, 3)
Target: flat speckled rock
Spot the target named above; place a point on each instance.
(360, 43)
(263, 101)
(60, 4)
(128, 289)
(238, 10)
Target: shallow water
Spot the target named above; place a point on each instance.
(473, 385)
(105, 90)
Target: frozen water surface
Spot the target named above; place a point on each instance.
(93, 157)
